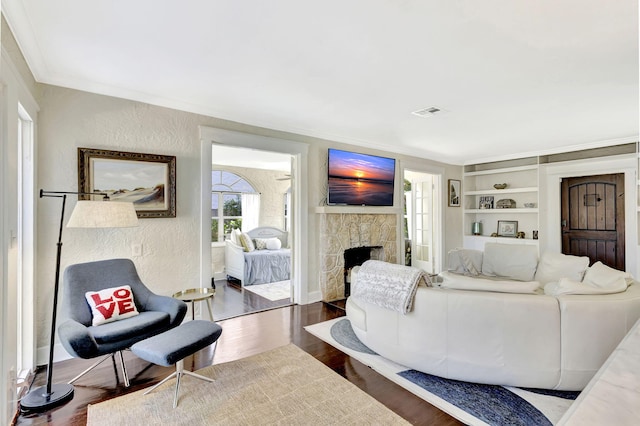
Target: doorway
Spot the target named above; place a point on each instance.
(593, 220)
(298, 220)
(423, 220)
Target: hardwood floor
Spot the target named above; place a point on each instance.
(242, 336)
(232, 301)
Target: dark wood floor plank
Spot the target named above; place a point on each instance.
(242, 336)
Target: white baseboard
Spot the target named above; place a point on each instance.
(59, 354)
(314, 296)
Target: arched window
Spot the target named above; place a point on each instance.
(226, 202)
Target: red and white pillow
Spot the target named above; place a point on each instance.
(111, 304)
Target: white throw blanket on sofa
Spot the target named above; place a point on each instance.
(388, 285)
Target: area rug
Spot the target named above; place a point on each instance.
(471, 403)
(284, 386)
(272, 291)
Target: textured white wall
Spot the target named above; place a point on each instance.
(170, 262)
(70, 119)
(271, 192)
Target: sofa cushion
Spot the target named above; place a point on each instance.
(553, 266)
(461, 282)
(600, 275)
(512, 261)
(567, 286)
(465, 261)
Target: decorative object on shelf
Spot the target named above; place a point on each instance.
(500, 185)
(535, 235)
(454, 193)
(507, 228)
(520, 235)
(486, 202)
(506, 203)
(147, 180)
(86, 214)
(476, 228)
(530, 205)
(494, 234)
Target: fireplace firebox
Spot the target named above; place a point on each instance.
(356, 256)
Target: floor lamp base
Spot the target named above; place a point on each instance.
(38, 400)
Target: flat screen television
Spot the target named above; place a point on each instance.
(360, 179)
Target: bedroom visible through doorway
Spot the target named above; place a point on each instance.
(250, 192)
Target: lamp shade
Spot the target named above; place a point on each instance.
(103, 214)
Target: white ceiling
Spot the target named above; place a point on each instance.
(528, 76)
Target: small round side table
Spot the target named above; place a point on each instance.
(197, 295)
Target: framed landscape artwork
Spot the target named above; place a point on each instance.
(146, 180)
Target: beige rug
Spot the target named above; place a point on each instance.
(272, 291)
(285, 386)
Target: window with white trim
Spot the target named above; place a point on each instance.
(226, 203)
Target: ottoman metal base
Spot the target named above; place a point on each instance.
(180, 371)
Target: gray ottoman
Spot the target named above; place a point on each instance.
(171, 347)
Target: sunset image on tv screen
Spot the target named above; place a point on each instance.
(360, 179)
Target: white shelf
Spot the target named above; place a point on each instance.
(502, 191)
(501, 211)
(505, 170)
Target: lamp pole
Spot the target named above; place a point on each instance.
(51, 395)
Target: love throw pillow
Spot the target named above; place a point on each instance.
(111, 304)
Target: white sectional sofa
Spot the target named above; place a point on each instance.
(506, 331)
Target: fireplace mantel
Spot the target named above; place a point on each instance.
(357, 210)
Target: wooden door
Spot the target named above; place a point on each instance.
(593, 218)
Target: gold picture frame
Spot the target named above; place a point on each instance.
(147, 180)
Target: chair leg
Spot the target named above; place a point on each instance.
(100, 361)
(124, 370)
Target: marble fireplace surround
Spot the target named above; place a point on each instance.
(341, 231)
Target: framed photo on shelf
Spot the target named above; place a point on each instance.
(485, 202)
(454, 193)
(507, 228)
(147, 180)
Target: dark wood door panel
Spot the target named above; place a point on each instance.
(602, 250)
(593, 218)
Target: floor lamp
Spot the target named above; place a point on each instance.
(86, 214)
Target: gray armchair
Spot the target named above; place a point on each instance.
(83, 340)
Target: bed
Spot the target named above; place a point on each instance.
(259, 266)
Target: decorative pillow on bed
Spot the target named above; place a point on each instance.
(111, 304)
(246, 242)
(235, 236)
(273, 243)
(261, 244)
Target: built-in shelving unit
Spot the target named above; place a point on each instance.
(521, 177)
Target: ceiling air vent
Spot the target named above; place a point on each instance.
(428, 112)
